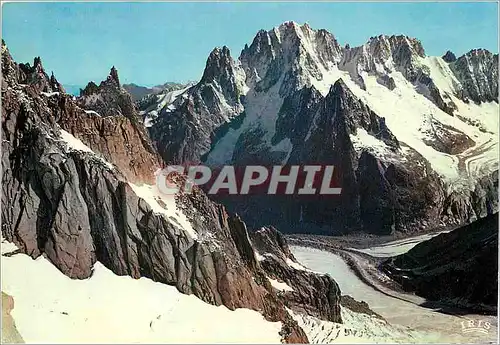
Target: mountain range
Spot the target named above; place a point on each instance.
(413, 138)
(139, 92)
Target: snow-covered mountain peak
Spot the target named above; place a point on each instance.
(400, 47)
(310, 56)
(382, 55)
(292, 54)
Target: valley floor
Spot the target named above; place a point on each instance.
(396, 307)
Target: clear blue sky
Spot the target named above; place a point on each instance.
(151, 43)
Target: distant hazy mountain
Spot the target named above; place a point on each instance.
(138, 92)
(73, 89)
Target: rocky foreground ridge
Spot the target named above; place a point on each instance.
(77, 188)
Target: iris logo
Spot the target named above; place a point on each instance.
(476, 326)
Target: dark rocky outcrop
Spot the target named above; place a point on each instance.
(313, 294)
(477, 71)
(449, 57)
(387, 81)
(458, 268)
(117, 134)
(448, 139)
(108, 98)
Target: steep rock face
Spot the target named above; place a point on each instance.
(313, 294)
(477, 71)
(459, 267)
(446, 139)
(184, 130)
(331, 120)
(380, 193)
(120, 139)
(116, 133)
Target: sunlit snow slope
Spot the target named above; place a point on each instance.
(106, 308)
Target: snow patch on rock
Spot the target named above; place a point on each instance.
(75, 144)
(279, 285)
(164, 204)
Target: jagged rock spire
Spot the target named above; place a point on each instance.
(89, 89)
(37, 62)
(114, 75)
(54, 83)
(219, 61)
